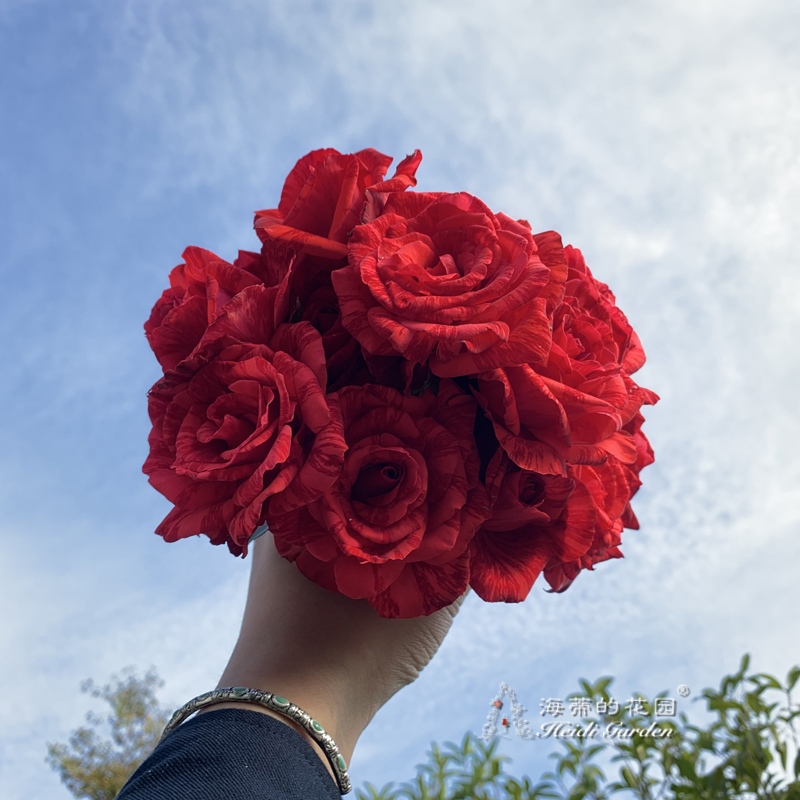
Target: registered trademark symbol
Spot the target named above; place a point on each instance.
(684, 691)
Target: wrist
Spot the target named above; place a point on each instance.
(331, 706)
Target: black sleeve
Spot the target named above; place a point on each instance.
(232, 754)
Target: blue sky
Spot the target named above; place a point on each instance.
(661, 139)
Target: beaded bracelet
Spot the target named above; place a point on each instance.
(273, 702)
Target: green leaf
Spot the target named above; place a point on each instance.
(628, 777)
(792, 677)
(686, 768)
(754, 701)
(603, 684)
(745, 665)
(782, 752)
(768, 681)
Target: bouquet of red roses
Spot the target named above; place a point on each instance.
(414, 393)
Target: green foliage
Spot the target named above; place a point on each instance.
(749, 751)
(96, 767)
(470, 771)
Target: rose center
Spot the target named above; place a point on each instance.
(531, 492)
(326, 318)
(376, 480)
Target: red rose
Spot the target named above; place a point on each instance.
(199, 288)
(538, 521)
(244, 420)
(540, 525)
(611, 485)
(324, 197)
(593, 342)
(573, 408)
(442, 279)
(395, 525)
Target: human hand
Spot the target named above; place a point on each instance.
(332, 656)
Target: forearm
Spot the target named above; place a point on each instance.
(330, 655)
(294, 643)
